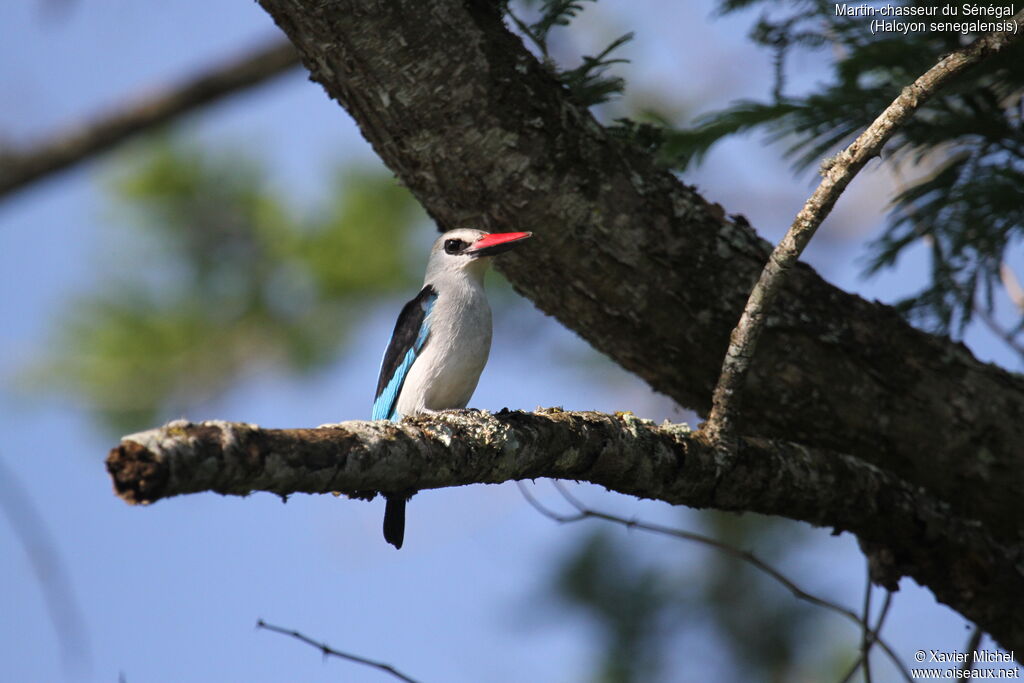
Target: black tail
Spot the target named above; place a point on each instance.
(394, 520)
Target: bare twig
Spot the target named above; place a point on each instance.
(326, 650)
(526, 31)
(873, 634)
(865, 640)
(870, 638)
(49, 570)
(585, 512)
(20, 167)
(841, 170)
(972, 644)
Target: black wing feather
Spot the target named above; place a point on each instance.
(407, 329)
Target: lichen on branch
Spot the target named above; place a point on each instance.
(902, 527)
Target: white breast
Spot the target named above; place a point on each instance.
(446, 372)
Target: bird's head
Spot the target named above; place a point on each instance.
(468, 251)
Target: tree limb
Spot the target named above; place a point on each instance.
(19, 168)
(840, 171)
(963, 564)
(643, 267)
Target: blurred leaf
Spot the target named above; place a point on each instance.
(965, 146)
(628, 603)
(346, 250)
(220, 277)
(644, 610)
(555, 13)
(767, 630)
(587, 82)
(683, 147)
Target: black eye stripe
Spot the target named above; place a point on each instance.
(454, 246)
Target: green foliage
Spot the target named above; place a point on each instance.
(647, 137)
(970, 212)
(680, 148)
(767, 629)
(554, 13)
(630, 604)
(588, 82)
(964, 148)
(219, 277)
(644, 612)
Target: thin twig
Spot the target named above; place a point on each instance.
(327, 650)
(870, 639)
(873, 635)
(584, 512)
(865, 638)
(21, 167)
(972, 644)
(845, 166)
(528, 32)
(62, 605)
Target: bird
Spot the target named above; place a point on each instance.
(441, 341)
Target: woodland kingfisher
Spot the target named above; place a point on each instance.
(441, 341)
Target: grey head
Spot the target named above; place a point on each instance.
(466, 253)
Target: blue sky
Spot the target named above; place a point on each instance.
(172, 592)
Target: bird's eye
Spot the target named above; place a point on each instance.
(453, 246)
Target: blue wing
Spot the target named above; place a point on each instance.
(411, 332)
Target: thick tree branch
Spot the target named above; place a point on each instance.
(900, 525)
(641, 265)
(840, 172)
(19, 168)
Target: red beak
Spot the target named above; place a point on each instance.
(497, 242)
